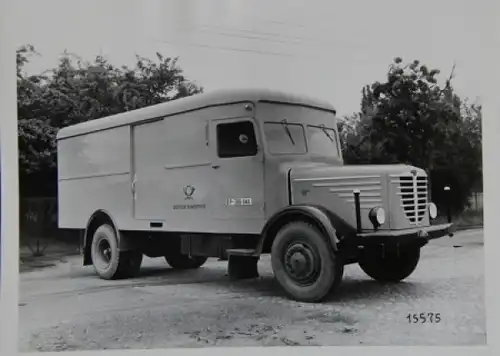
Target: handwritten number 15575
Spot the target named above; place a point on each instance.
(423, 318)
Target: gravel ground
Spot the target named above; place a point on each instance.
(66, 307)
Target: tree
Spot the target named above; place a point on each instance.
(36, 144)
(411, 119)
(76, 91)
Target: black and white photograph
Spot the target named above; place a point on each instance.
(231, 173)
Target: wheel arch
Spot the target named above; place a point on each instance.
(328, 222)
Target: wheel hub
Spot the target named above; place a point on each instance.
(105, 252)
(300, 263)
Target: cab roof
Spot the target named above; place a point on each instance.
(199, 101)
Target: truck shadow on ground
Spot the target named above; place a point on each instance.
(215, 277)
(351, 289)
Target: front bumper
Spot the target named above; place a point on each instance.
(420, 233)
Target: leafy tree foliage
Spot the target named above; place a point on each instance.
(76, 91)
(410, 118)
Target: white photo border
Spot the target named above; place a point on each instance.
(9, 268)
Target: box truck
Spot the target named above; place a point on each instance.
(234, 175)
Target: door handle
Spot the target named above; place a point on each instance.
(134, 193)
(216, 166)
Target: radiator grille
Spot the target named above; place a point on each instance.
(413, 192)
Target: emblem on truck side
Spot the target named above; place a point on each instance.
(188, 192)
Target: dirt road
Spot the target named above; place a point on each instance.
(67, 307)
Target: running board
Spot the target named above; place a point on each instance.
(241, 252)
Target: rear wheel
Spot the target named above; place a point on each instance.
(393, 267)
(109, 262)
(180, 261)
(304, 263)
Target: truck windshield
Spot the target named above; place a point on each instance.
(284, 138)
(322, 141)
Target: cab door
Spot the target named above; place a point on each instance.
(238, 175)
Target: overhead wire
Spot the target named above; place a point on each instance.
(235, 49)
(255, 35)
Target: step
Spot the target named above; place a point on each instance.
(241, 252)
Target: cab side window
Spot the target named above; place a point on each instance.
(236, 139)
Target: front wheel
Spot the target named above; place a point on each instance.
(304, 263)
(393, 267)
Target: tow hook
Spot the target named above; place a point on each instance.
(423, 233)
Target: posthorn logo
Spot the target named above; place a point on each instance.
(188, 192)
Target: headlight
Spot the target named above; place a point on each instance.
(377, 216)
(433, 210)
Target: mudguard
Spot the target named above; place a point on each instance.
(327, 221)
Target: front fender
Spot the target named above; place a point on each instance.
(327, 221)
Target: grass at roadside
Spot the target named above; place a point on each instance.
(42, 252)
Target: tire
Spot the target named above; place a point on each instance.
(180, 261)
(392, 268)
(314, 253)
(107, 259)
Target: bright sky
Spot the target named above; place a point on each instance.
(326, 49)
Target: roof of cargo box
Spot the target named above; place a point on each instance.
(219, 97)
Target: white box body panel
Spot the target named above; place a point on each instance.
(142, 173)
(94, 173)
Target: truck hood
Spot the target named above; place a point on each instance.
(321, 170)
(332, 187)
